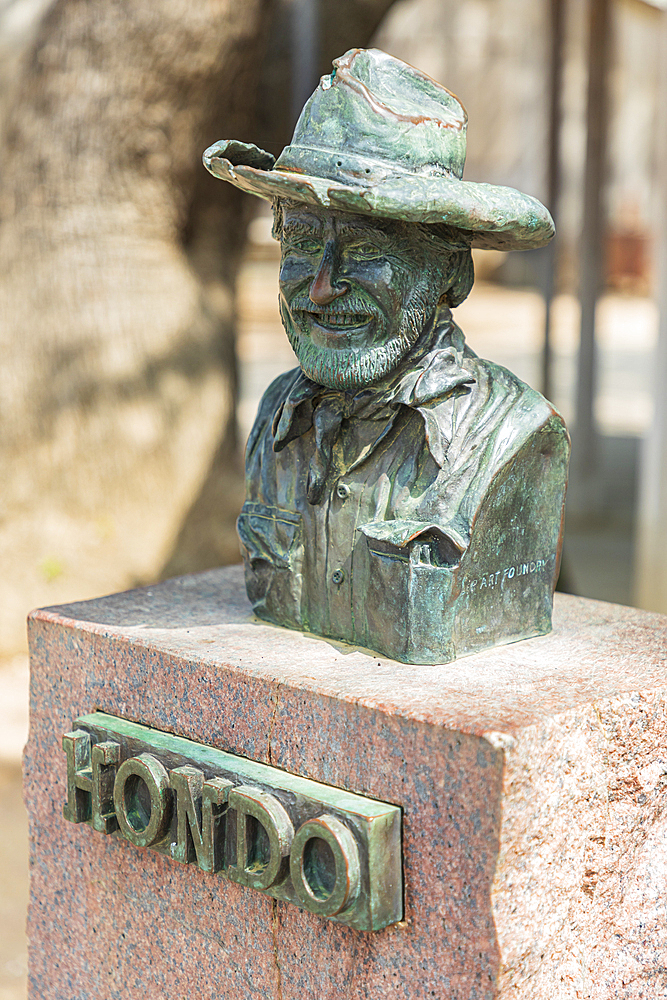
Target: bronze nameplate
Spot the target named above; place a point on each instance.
(327, 850)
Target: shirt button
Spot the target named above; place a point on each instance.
(338, 576)
(343, 490)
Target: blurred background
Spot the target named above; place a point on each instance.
(138, 296)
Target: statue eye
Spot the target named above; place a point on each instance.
(366, 249)
(305, 245)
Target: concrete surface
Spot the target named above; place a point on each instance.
(13, 885)
(13, 842)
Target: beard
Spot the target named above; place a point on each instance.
(352, 367)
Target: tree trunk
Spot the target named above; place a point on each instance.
(118, 454)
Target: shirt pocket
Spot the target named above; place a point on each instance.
(272, 545)
(407, 608)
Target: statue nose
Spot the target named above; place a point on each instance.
(325, 286)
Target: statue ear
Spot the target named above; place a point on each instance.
(277, 227)
(463, 276)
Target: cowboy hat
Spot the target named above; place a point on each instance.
(379, 137)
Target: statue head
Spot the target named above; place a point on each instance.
(375, 221)
(357, 292)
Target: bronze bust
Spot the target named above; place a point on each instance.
(402, 493)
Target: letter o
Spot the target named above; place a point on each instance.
(346, 858)
(510, 572)
(137, 829)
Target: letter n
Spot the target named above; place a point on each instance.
(199, 816)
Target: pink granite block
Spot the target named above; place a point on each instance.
(530, 778)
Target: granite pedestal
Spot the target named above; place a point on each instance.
(532, 781)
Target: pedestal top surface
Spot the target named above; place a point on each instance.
(596, 650)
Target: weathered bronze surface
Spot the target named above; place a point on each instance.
(402, 493)
(329, 851)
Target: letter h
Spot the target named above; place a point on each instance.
(90, 780)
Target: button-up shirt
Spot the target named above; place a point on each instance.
(419, 517)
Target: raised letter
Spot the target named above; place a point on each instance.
(142, 818)
(324, 866)
(256, 867)
(105, 758)
(198, 816)
(90, 775)
(79, 776)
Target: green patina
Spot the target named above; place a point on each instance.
(324, 849)
(395, 480)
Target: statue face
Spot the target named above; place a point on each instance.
(355, 293)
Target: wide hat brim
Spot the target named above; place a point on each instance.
(497, 217)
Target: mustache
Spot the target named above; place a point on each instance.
(350, 303)
(356, 367)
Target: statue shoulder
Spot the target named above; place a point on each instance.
(272, 399)
(495, 415)
(526, 409)
(279, 388)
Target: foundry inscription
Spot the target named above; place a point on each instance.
(501, 577)
(325, 849)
